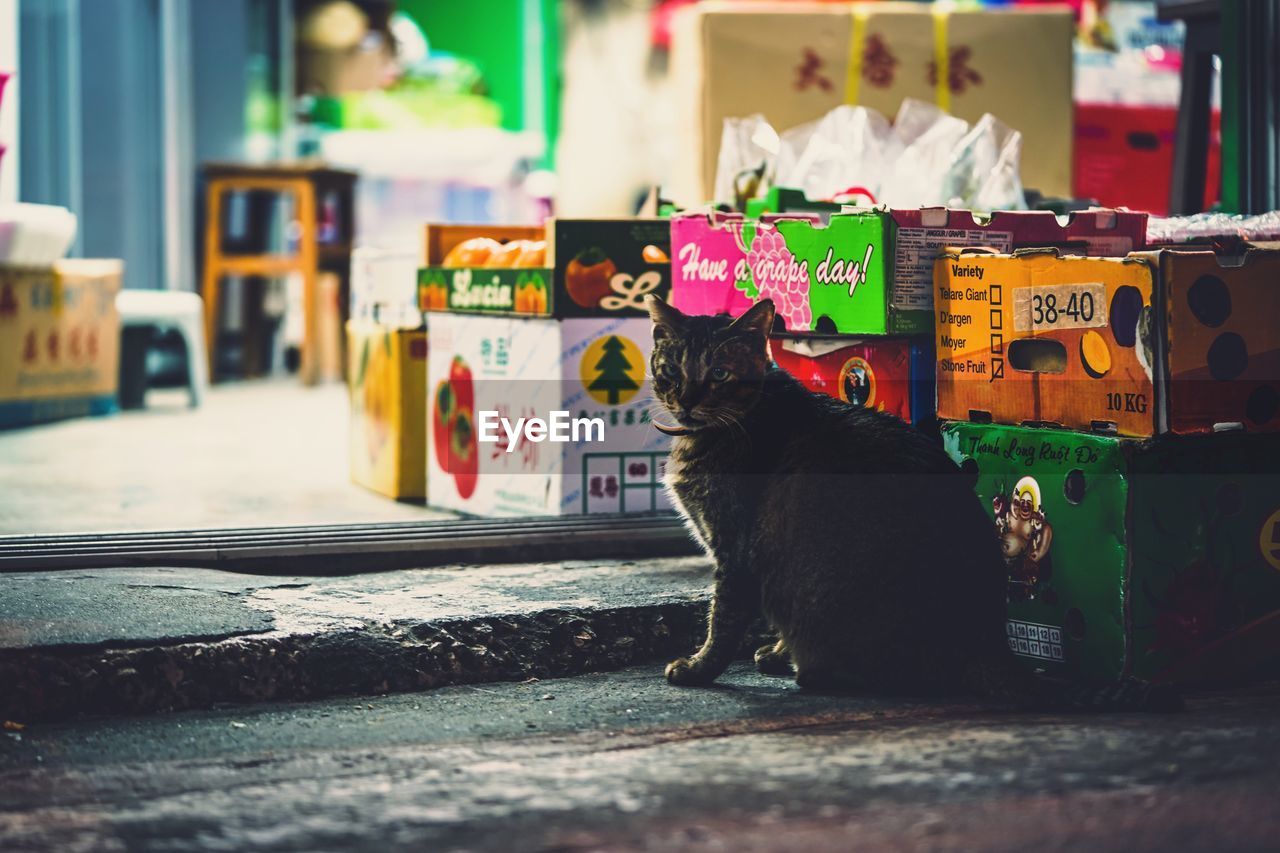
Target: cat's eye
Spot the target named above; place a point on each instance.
(718, 374)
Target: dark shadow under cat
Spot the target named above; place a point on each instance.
(859, 541)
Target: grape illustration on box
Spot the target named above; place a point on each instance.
(779, 277)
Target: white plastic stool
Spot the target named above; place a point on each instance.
(172, 309)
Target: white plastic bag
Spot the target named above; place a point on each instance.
(748, 147)
(848, 150)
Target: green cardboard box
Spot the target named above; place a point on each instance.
(1157, 559)
(832, 277)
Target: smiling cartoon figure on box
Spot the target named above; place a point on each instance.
(1025, 536)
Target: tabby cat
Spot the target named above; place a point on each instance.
(859, 541)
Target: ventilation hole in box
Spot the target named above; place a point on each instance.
(825, 325)
(1038, 355)
(1073, 486)
(1126, 306)
(978, 416)
(1209, 300)
(1074, 623)
(779, 325)
(1228, 357)
(1262, 405)
(1142, 140)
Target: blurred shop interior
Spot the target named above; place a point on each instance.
(253, 176)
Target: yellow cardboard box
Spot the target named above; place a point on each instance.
(1034, 338)
(794, 62)
(1182, 341)
(59, 340)
(387, 379)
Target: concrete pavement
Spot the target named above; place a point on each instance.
(622, 761)
(138, 641)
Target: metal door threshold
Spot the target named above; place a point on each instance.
(349, 548)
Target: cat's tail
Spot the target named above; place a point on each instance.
(1004, 680)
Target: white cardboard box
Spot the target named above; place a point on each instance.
(522, 367)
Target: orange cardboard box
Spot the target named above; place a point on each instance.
(1168, 341)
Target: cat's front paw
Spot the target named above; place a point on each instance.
(687, 673)
(770, 661)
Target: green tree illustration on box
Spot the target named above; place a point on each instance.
(613, 366)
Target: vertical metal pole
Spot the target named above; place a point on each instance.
(1191, 141)
(177, 117)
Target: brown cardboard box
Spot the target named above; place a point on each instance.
(793, 62)
(59, 340)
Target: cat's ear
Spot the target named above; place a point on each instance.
(666, 319)
(758, 320)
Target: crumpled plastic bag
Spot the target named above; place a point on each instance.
(926, 157)
(1216, 226)
(847, 150)
(930, 137)
(748, 147)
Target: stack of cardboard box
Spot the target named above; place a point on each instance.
(1120, 415)
(511, 343)
(387, 374)
(854, 287)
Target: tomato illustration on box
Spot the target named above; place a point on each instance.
(483, 369)
(570, 268)
(1169, 341)
(893, 375)
(387, 376)
(1153, 558)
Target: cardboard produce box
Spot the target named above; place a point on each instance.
(1124, 155)
(893, 375)
(1158, 559)
(828, 278)
(59, 341)
(481, 369)
(922, 234)
(724, 262)
(1171, 341)
(793, 62)
(593, 268)
(387, 381)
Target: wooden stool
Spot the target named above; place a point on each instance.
(309, 184)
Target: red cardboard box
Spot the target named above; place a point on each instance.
(1124, 156)
(894, 375)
